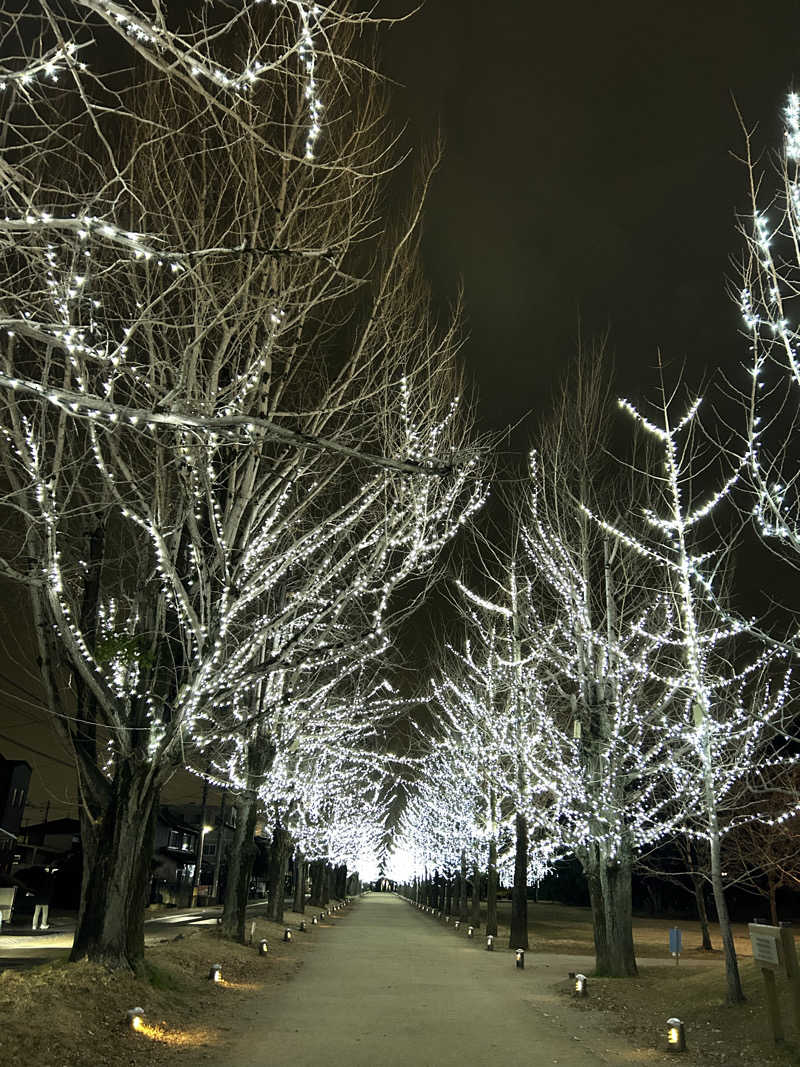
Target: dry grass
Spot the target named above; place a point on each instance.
(73, 1015)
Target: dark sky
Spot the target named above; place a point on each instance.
(589, 174)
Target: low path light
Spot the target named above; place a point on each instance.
(470, 931)
(287, 934)
(314, 920)
(520, 959)
(490, 943)
(581, 986)
(135, 1018)
(301, 926)
(215, 974)
(676, 1036)
(456, 924)
(263, 947)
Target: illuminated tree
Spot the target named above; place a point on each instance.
(726, 720)
(229, 428)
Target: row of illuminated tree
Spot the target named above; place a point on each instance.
(230, 429)
(602, 697)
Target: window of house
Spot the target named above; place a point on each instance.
(209, 848)
(174, 839)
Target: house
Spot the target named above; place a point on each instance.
(15, 780)
(174, 858)
(220, 821)
(42, 842)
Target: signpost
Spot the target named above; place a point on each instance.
(675, 939)
(765, 941)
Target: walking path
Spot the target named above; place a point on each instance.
(391, 987)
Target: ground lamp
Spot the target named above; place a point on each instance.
(456, 924)
(302, 926)
(447, 919)
(490, 943)
(470, 931)
(519, 956)
(314, 920)
(263, 947)
(135, 1018)
(322, 914)
(676, 1036)
(215, 974)
(287, 934)
(581, 986)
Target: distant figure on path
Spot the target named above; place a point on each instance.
(41, 904)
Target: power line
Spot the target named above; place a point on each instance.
(38, 751)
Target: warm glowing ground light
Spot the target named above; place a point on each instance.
(174, 1038)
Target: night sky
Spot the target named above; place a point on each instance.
(589, 176)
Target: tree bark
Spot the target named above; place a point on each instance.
(111, 919)
(278, 864)
(491, 890)
(448, 896)
(702, 912)
(518, 936)
(772, 886)
(241, 855)
(462, 888)
(735, 993)
(317, 874)
(615, 879)
(476, 896)
(299, 904)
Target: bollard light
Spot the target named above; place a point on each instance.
(302, 926)
(263, 947)
(456, 924)
(314, 920)
(581, 986)
(676, 1036)
(520, 959)
(287, 934)
(470, 931)
(447, 919)
(135, 1018)
(323, 915)
(490, 943)
(215, 974)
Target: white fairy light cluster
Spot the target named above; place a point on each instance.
(768, 303)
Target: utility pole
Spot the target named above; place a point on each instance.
(220, 842)
(201, 837)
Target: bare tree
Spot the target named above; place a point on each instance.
(229, 428)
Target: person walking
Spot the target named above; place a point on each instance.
(42, 895)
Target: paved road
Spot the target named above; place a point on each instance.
(21, 948)
(391, 987)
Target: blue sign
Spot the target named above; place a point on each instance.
(675, 941)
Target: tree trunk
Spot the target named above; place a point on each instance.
(326, 884)
(278, 864)
(615, 880)
(448, 896)
(476, 896)
(773, 897)
(518, 936)
(241, 856)
(702, 913)
(591, 868)
(317, 873)
(462, 888)
(491, 890)
(299, 904)
(341, 881)
(735, 993)
(111, 919)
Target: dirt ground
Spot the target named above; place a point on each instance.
(73, 1015)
